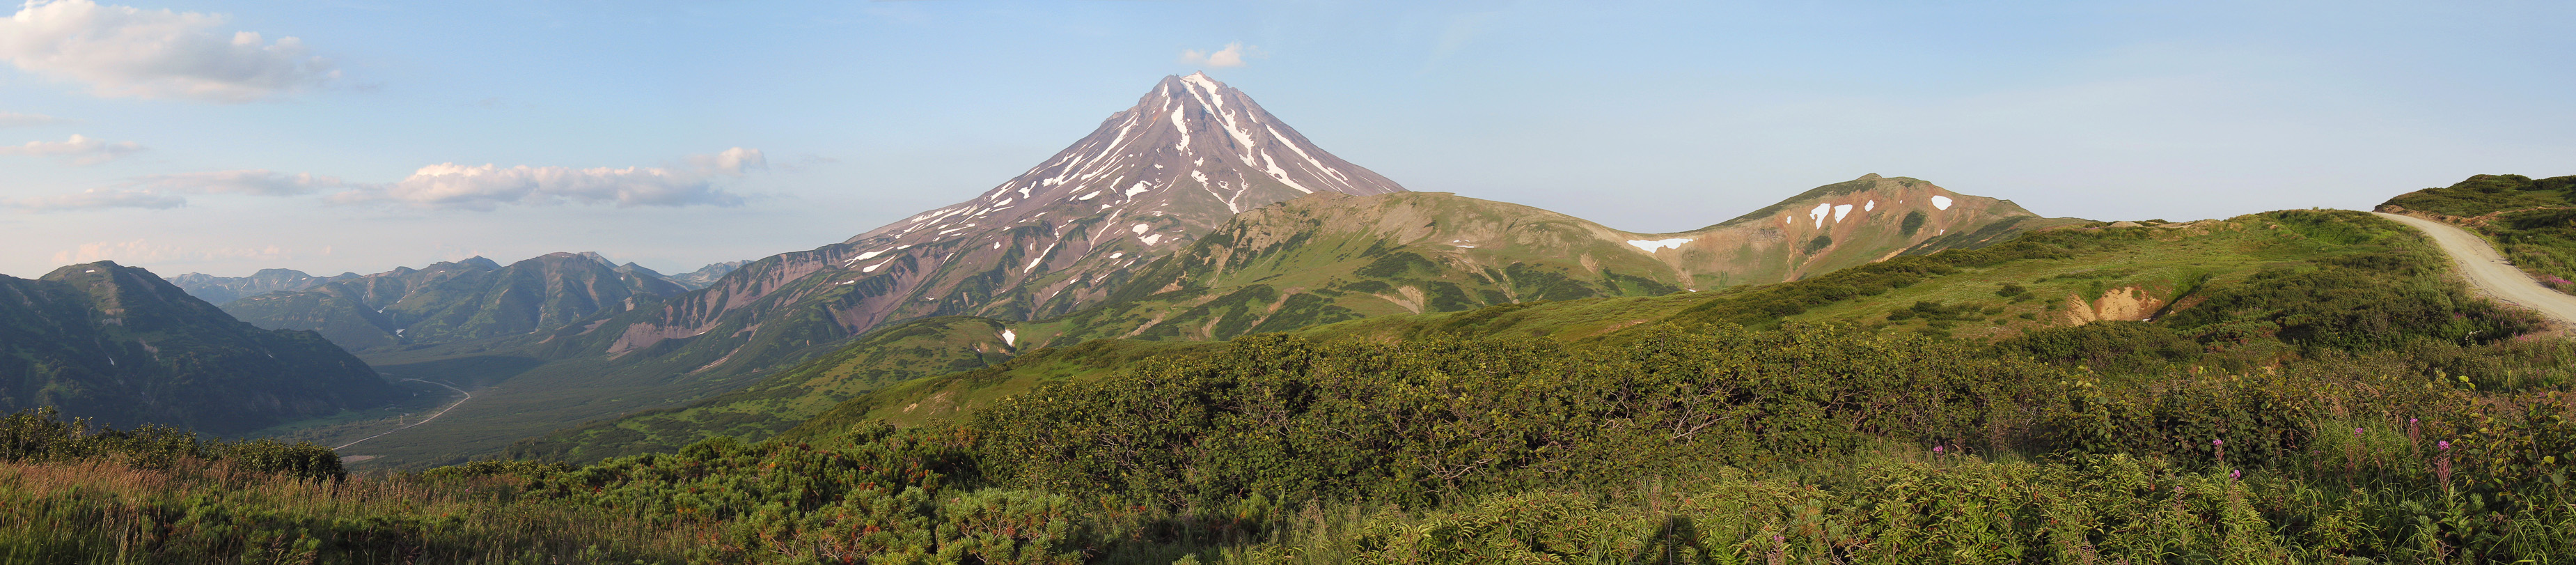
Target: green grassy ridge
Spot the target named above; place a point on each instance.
(2530, 220)
(1333, 258)
(2480, 195)
(1326, 259)
(120, 345)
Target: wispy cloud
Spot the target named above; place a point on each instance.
(486, 187)
(447, 186)
(121, 51)
(79, 150)
(12, 119)
(252, 182)
(1231, 56)
(97, 198)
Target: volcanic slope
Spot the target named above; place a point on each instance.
(1189, 155)
(1331, 257)
(125, 347)
(457, 301)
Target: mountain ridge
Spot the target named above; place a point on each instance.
(120, 344)
(476, 298)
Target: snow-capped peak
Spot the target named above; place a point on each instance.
(1201, 80)
(1191, 149)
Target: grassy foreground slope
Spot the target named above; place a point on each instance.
(2533, 221)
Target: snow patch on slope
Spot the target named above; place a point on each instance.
(1940, 202)
(1650, 245)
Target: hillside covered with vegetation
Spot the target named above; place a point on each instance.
(2326, 396)
(121, 345)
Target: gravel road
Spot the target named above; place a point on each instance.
(2488, 271)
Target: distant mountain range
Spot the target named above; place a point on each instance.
(120, 345)
(219, 290)
(456, 301)
(445, 302)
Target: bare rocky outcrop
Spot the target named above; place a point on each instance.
(2131, 303)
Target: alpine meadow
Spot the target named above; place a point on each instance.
(1195, 335)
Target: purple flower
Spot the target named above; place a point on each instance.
(2445, 445)
(1936, 449)
(2356, 431)
(2410, 420)
(2217, 442)
(2234, 474)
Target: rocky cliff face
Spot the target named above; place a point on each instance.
(123, 346)
(1187, 157)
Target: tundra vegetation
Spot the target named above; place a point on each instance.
(2352, 406)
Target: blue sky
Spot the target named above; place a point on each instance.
(680, 134)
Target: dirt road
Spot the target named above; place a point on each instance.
(2488, 271)
(441, 412)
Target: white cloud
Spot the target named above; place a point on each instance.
(78, 150)
(12, 119)
(441, 186)
(485, 187)
(251, 182)
(144, 251)
(1230, 56)
(97, 198)
(126, 51)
